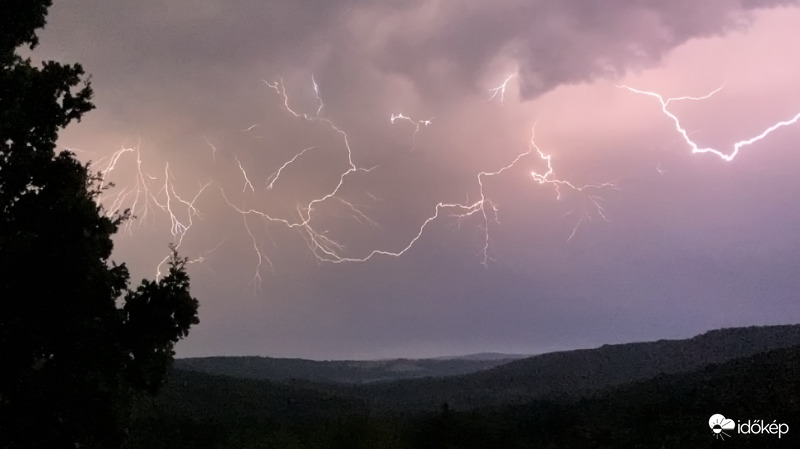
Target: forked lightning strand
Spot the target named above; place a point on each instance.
(726, 156)
(500, 91)
(417, 125)
(141, 196)
(591, 203)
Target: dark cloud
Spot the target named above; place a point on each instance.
(438, 45)
(553, 42)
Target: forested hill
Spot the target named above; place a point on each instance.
(200, 411)
(463, 384)
(668, 411)
(579, 372)
(342, 371)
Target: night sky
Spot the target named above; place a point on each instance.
(652, 242)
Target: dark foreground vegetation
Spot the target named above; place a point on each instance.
(198, 410)
(78, 343)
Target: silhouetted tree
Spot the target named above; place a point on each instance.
(76, 344)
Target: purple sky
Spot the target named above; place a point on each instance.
(689, 242)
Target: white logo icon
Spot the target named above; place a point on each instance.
(719, 424)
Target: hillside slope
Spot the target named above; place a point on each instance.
(578, 372)
(671, 411)
(344, 371)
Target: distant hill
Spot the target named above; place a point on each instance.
(201, 411)
(348, 371)
(578, 372)
(414, 385)
(484, 356)
(668, 411)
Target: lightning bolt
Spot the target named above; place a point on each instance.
(592, 203)
(317, 242)
(273, 178)
(482, 207)
(148, 193)
(247, 182)
(207, 254)
(317, 94)
(500, 91)
(213, 149)
(417, 125)
(260, 257)
(141, 197)
(697, 149)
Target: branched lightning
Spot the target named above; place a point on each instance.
(417, 125)
(317, 95)
(500, 91)
(149, 193)
(319, 244)
(247, 182)
(592, 203)
(206, 254)
(360, 216)
(141, 197)
(261, 258)
(213, 149)
(274, 177)
(327, 250)
(726, 156)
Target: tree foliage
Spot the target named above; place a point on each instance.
(76, 344)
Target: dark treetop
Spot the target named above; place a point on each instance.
(76, 343)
